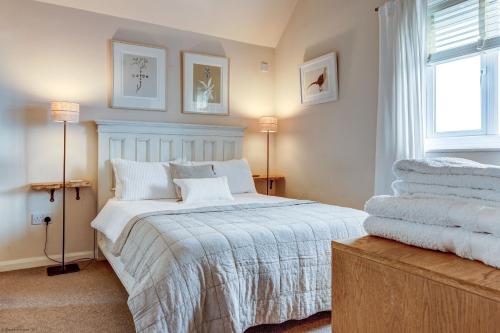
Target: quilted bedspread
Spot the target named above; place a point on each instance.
(227, 268)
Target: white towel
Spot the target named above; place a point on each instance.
(486, 197)
(466, 244)
(447, 166)
(445, 212)
(450, 172)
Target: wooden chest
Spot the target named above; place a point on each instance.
(384, 286)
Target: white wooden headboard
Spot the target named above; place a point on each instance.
(143, 141)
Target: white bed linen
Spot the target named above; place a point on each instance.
(227, 268)
(116, 214)
(204, 189)
(106, 246)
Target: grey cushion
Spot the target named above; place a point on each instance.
(180, 171)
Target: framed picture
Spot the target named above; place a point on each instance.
(205, 84)
(318, 80)
(139, 77)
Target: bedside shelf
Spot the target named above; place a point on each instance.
(274, 181)
(51, 187)
(271, 178)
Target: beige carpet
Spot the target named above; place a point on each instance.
(92, 300)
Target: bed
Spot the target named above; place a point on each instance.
(203, 267)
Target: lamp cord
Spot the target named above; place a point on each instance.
(58, 261)
(45, 246)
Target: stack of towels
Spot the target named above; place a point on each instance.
(445, 204)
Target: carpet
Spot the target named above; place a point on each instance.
(92, 300)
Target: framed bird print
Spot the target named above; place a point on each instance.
(139, 77)
(205, 84)
(318, 80)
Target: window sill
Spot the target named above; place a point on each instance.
(463, 144)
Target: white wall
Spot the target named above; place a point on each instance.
(327, 151)
(56, 53)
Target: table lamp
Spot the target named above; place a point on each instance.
(268, 125)
(66, 113)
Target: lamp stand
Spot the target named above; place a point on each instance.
(69, 268)
(267, 166)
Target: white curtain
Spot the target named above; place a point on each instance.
(401, 97)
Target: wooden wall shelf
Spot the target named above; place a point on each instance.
(51, 187)
(274, 181)
(273, 178)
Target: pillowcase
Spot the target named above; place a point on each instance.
(183, 171)
(238, 173)
(142, 180)
(195, 190)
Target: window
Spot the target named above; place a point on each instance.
(463, 89)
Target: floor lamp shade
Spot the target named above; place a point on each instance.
(64, 111)
(268, 124)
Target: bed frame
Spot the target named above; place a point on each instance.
(161, 142)
(155, 142)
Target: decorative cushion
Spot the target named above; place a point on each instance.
(195, 190)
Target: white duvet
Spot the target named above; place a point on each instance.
(227, 266)
(116, 214)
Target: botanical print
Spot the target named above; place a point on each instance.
(206, 85)
(139, 76)
(316, 81)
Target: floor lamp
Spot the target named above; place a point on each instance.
(66, 113)
(268, 125)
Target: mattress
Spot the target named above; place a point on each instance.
(105, 245)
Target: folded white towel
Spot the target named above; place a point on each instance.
(442, 211)
(466, 244)
(447, 166)
(486, 197)
(450, 172)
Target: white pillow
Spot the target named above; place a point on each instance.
(142, 180)
(194, 190)
(238, 173)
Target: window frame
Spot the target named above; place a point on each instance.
(487, 138)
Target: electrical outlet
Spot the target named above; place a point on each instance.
(39, 218)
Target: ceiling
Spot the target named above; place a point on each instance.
(258, 22)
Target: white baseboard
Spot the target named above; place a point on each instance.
(11, 265)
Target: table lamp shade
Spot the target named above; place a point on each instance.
(65, 111)
(268, 124)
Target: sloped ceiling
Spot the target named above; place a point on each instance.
(258, 22)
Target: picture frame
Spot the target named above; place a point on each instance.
(205, 84)
(318, 80)
(139, 76)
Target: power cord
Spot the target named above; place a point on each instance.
(47, 220)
